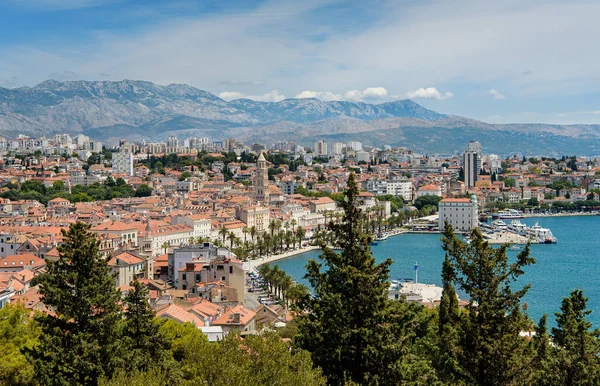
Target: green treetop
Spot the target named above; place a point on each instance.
(80, 340)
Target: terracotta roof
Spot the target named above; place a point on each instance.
(465, 200)
(125, 258)
(228, 317)
(23, 260)
(180, 315)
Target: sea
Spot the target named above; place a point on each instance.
(572, 263)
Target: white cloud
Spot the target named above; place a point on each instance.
(369, 93)
(429, 93)
(403, 45)
(322, 95)
(353, 96)
(273, 96)
(374, 93)
(230, 95)
(496, 94)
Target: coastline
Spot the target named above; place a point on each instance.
(534, 215)
(254, 264)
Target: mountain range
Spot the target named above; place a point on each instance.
(141, 110)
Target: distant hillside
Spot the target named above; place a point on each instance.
(137, 110)
(144, 108)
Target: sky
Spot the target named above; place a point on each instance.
(503, 61)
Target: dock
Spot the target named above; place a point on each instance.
(506, 238)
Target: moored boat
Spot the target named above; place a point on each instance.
(508, 214)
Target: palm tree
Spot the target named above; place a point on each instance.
(165, 245)
(289, 236)
(272, 226)
(232, 238)
(300, 233)
(293, 224)
(192, 240)
(296, 293)
(223, 233)
(245, 230)
(253, 232)
(286, 283)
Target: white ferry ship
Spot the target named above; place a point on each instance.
(508, 214)
(517, 227)
(540, 235)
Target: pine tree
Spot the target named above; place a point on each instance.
(544, 362)
(146, 345)
(491, 351)
(578, 346)
(80, 340)
(353, 332)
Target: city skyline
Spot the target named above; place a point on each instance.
(499, 63)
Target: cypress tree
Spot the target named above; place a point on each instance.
(491, 351)
(578, 346)
(80, 340)
(448, 324)
(146, 345)
(353, 332)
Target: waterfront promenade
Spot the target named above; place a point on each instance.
(254, 264)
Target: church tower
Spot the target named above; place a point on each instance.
(262, 180)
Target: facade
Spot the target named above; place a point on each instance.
(226, 270)
(461, 213)
(122, 162)
(126, 266)
(197, 253)
(430, 190)
(255, 216)
(200, 223)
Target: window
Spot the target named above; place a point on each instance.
(223, 278)
(184, 287)
(231, 269)
(183, 277)
(197, 277)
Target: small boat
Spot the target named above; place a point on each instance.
(373, 243)
(381, 237)
(514, 247)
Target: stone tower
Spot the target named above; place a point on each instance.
(262, 180)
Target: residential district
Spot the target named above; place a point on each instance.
(193, 221)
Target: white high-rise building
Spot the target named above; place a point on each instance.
(321, 148)
(336, 148)
(472, 163)
(122, 162)
(354, 145)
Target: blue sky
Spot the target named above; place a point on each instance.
(498, 61)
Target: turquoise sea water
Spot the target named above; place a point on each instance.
(574, 262)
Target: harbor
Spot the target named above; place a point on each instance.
(515, 232)
(571, 263)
